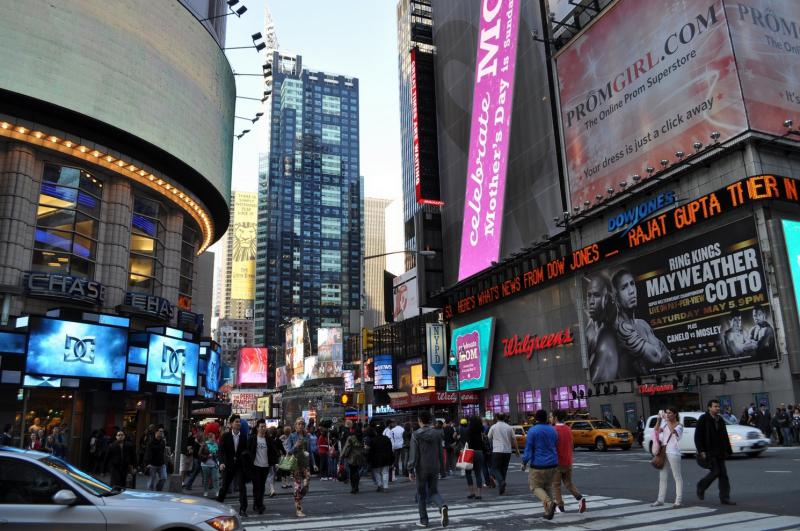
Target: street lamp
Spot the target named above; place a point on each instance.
(424, 254)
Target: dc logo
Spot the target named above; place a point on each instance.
(172, 360)
(79, 349)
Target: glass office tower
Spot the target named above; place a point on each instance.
(309, 201)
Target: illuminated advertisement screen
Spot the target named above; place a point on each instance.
(420, 384)
(68, 348)
(489, 135)
(298, 353)
(472, 344)
(349, 380)
(137, 355)
(252, 366)
(383, 371)
(167, 357)
(11, 343)
(700, 303)
(791, 235)
(330, 352)
(213, 370)
(281, 380)
(243, 254)
(625, 108)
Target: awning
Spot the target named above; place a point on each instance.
(433, 399)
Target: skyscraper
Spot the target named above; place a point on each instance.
(374, 244)
(419, 156)
(309, 205)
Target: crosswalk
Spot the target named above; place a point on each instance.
(524, 513)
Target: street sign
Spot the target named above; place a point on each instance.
(437, 356)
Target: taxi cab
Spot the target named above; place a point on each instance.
(520, 434)
(599, 435)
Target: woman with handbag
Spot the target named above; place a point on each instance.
(668, 433)
(301, 475)
(353, 452)
(474, 441)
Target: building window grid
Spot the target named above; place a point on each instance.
(529, 401)
(498, 403)
(562, 397)
(145, 265)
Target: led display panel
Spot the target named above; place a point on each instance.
(167, 357)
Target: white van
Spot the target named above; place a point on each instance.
(744, 439)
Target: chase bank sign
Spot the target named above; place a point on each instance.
(638, 213)
(55, 286)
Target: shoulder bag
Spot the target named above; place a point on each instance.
(465, 458)
(661, 457)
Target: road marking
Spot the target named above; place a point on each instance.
(779, 471)
(775, 522)
(700, 522)
(646, 516)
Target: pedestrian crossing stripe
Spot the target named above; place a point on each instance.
(603, 513)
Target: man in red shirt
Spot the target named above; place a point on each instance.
(564, 469)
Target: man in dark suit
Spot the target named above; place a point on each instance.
(233, 453)
(713, 445)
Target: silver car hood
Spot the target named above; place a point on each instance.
(193, 508)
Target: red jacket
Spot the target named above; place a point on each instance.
(322, 445)
(564, 444)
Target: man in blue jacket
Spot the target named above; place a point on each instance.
(542, 454)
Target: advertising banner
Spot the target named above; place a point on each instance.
(242, 238)
(791, 236)
(298, 353)
(330, 351)
(349, 380)
(252, 366)
(245, 402)
(645, 81)
(281, 379)
(383, 372)
(437, 355)
(701, 303)
(766, 40)
(493, 92)
(213, 370)
(406, 297)
(168, 357)
(473, 346)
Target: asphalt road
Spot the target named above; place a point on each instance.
(619, 487)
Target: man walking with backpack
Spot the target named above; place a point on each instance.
(424, 461)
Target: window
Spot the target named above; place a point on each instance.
(147, 246)
(331, 104)
(581, 426)
(26, 483)
(529, 401)
(471, 410)
(568, 397)
(498, 403)
(689, 422)
(188, 250)
(331, 261)
(331, 165)
(331, 134)
(67, 220)
(331, 228)
(331, 196)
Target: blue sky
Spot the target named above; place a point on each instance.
(352, 37)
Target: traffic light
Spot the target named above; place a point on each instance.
(367, 338)
(360, 398)
(345, 399)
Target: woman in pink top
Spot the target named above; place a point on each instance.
(669, 431)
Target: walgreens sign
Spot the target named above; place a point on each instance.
(489, 135)
(516, 346)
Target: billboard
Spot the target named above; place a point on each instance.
(383, 372)
(68, 348)
(242, 239)
(330, 352)
(245, 402)
(281, 379)
(11, 343)
(791, 236)
(252, 364)
(700, 303)
(349, 380)
(167, 357)
(626, 107)
(487, 162)
(406, 295)
(213, 370)
(295, 353)
(472, 344)
(766, 42)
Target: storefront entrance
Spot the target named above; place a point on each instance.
(683, 401)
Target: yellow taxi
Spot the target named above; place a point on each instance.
(599, 435)
(521, 434)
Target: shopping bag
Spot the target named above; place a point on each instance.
(341, 475)
(288, 463)
(465, 458)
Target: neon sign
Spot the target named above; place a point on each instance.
(515, 346)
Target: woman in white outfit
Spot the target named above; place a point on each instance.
(669, 431)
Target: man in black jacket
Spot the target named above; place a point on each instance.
(155, 460)
(120, 460)
(232, 453)
(713, 445)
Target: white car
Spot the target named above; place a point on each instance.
(744, 439)
(39, 491)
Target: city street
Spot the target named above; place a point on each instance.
(619, 487)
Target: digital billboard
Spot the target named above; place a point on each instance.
(11, 343)
(242, 239)
(489, 138)
(68, 348)
(383, 371)
(137, 355)
(473, 344)
(298, 353)
(700, 303)
(405, 289)
(281, 379)
(791, 236)
(641, 84)
(252, 366)
(330, 351)
(213, 370)
(766, 41)
(167, 357)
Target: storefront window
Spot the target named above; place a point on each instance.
(147, 246)
(471, 410)
(568, 397)
(498, 403)
(65, 240)
(529, 401)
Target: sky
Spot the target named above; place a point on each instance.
(357, 38)
(351, 37)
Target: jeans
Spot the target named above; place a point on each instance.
(158, 476)
(354, 477)
(787, 436)
(332, 467)
(260, 474)
(323, 465)
(477, 468)
(380, 476)
(399, 466)
(210, 475)
(500, 466)
(717, 470)
(674, 462)
(195, 471)
(564, 474)
(540, 481)
(428, 488)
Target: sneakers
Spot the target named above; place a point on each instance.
(421, 524)
(700, 494)
(550, 510)
(445, 516)
(561, 509)
(582, 505)
(677, 505)
(657, 504)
